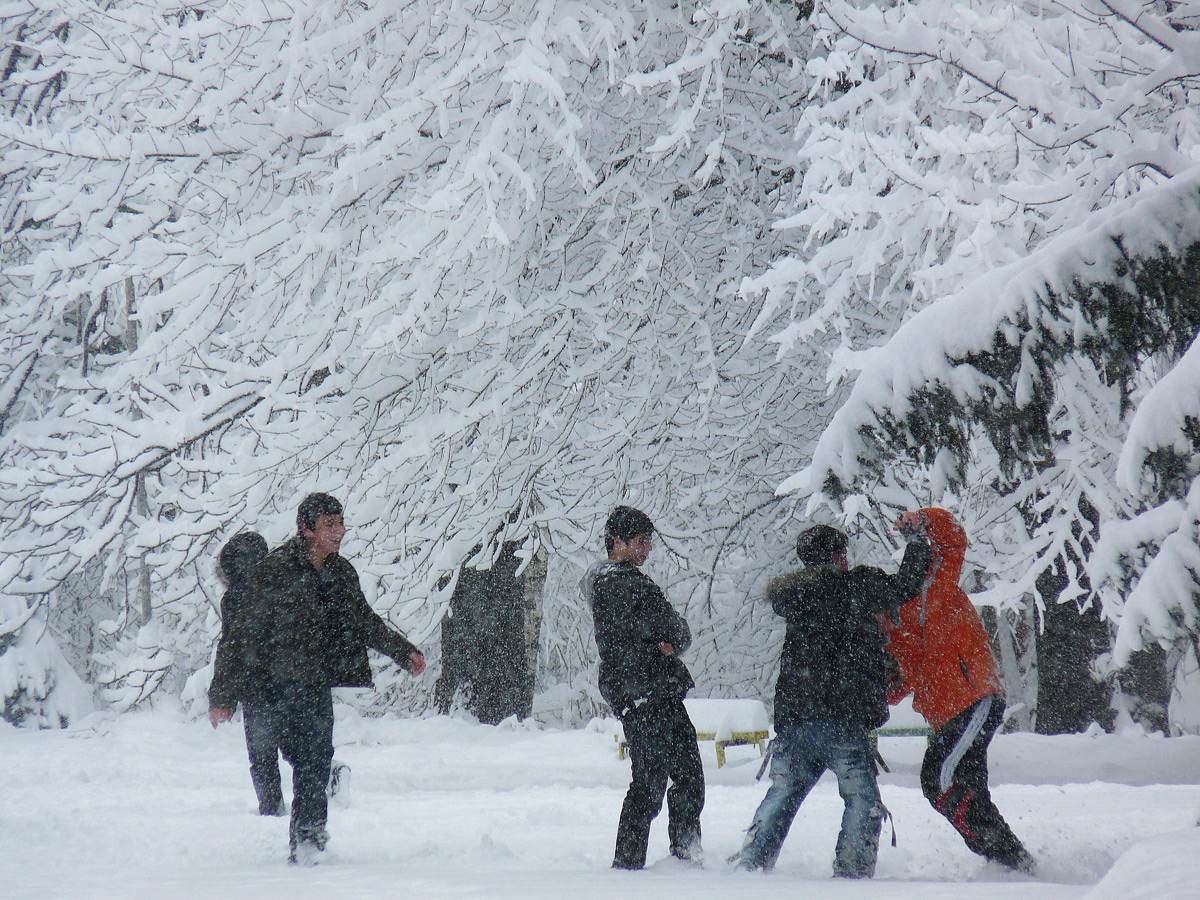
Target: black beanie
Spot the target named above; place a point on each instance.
(817, 545)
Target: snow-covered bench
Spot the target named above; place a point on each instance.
(904, 720)
(727, 723)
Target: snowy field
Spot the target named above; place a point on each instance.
(155, 806)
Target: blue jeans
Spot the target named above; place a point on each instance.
(800, 755)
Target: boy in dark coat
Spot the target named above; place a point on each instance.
(235, 564)
(831, 692)
(304, 628)
(640, 636)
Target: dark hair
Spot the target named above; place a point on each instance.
(240, 555)
(818, 544)
(313, 507)
(626, 523)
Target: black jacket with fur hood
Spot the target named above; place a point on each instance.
(833, 664)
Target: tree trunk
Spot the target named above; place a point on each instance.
(1069, 697)
(1014, 635)
(1146, 685)
(490, 638)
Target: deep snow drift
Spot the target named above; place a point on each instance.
(152, 805)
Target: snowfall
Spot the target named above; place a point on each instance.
(159, 805)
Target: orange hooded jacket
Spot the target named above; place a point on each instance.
(945, 657)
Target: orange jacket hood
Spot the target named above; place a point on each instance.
(948, 540)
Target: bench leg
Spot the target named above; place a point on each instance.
(720, 753)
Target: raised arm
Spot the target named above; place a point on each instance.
(886, 593)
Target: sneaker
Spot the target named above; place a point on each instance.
(338, 790)
(305, 853)
(1020, 861)
(692, 856)
(741, 863)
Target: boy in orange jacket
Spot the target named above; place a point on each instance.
(946, 663)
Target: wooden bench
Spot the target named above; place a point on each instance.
(727, 723)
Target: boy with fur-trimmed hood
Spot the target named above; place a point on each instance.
(831, 692)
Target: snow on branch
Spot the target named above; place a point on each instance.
(1165, 430)
(1162, 604)
(984, 353)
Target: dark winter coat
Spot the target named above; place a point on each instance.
(236, 561)
(833, 664)
(632, 617)
(301, 625)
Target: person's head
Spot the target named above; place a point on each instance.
(239, 556)
(822, 545)
(627, 535)
(319, 520)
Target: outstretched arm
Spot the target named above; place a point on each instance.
(385, 639)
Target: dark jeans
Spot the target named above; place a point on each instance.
(662, 746)
(800, 754)
(302, 716)
(954, 777)
(262, 746)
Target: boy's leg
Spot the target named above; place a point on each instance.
(262, 746)
(851, 759)
(685, 797)
(796, 764)
(954, 776)
(306, 739)
(648, 732)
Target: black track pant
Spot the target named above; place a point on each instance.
(662, 745)
(954, 777)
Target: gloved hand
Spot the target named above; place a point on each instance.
(911, 524)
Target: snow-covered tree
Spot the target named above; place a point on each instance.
(472, 267)
(997, 359)
(972, 161)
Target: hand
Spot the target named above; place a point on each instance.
(911, 524)
(416, 662)
(666, 648)
(217, 715)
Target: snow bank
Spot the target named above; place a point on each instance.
(1164, 867)
(38, 687)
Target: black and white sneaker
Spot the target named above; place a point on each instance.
(338, 790)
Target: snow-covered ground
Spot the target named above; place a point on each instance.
(153, 805)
